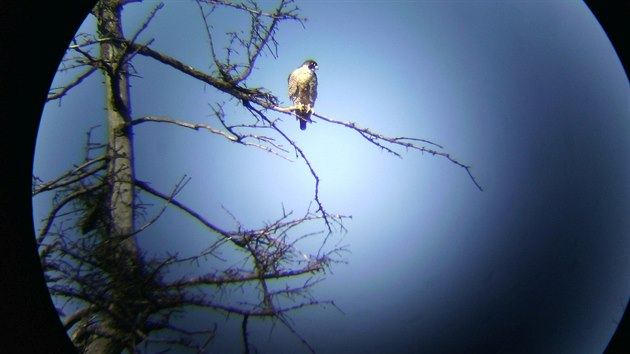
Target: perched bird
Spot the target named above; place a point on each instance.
(303, 90)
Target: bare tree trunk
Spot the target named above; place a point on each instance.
(119, 247)
(120, 151)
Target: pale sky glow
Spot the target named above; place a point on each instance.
(531, 94)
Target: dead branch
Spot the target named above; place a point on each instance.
(75, 175)
(178, 188)
(233, 137)
(196, 126)
(409, 143)
(278, 15)
(257, 39)
(64, 90)
(145, 186)
(146, 22)
(220, 280)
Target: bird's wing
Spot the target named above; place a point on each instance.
(313, 89)
(293, 85)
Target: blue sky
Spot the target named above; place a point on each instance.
(530, 94)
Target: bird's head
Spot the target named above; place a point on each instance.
(311, 64)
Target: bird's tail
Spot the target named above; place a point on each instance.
(303, 118)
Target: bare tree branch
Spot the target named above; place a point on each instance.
(408, 143)
(236, 137)
(263, 26)
(277, 14)
(213, 279)
(64, 90)
(178, 187)
(189, 211)
(146, 22)
(77, 174)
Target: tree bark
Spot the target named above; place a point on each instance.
(120, 151)
(119, 250)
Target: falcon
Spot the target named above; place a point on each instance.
(303, 91)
